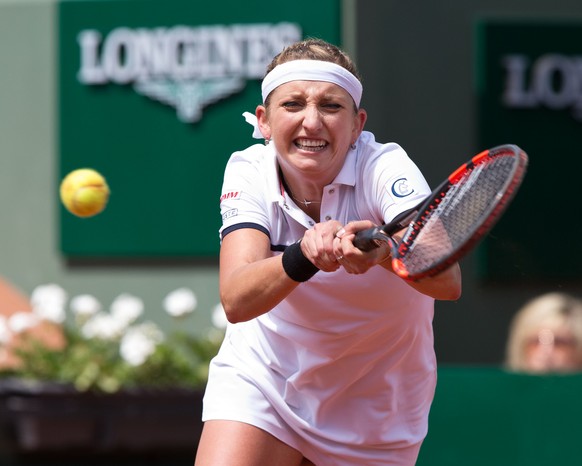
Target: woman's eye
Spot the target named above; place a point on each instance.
(291, 104)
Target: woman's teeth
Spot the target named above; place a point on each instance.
(309, 144)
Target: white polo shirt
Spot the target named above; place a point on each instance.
(344, 368)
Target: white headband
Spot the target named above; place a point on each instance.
(312, 70)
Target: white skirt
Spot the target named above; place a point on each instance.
(233, 395)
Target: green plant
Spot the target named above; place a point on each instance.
(109, 351)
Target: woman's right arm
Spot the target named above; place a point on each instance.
(252, 280)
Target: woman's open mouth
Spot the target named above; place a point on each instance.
(311, 145)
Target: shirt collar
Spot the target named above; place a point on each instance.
(347, 174)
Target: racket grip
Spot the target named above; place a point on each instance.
(372, 238)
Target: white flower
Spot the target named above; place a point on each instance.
(139, 343)
(85, 305)
(21, 321)
(219, 319)
(5, 333)
(103, 326)
(48, 302)
(180, 302)
(126, 308)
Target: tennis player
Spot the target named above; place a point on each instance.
(328, 359)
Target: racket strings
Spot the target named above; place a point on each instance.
(452, 219)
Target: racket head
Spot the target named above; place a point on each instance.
(460, 212)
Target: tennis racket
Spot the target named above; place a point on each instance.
(455, 216)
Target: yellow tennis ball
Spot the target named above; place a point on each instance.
(84, 192)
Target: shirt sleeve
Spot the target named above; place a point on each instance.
(243, 197)
(397, 183)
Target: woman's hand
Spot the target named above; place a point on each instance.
(353, 259)
(318, 245)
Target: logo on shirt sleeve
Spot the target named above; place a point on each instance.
(401, 188)
(229, 213)
(231, 195)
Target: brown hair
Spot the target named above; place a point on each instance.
(314, 49)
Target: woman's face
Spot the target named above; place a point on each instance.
(552, 350)
(312, 124)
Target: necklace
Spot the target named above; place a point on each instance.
(285, 187)
(305, 202)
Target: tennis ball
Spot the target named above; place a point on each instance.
(84, 192)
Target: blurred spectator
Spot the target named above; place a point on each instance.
(545, 336)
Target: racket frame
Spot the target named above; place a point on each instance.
(423, 211)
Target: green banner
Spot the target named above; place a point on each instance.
(151, 94)
(488, 417)
(529, 83)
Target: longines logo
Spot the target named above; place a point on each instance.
(186, 67)
(553, 81)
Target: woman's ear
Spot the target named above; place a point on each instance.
(360, 121)
(264, 127)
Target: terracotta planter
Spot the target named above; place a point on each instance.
(56, 420)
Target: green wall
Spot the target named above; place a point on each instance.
(161, 125)
(485, 417)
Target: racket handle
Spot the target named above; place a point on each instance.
(372, 238)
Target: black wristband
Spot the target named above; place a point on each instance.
(298, 267)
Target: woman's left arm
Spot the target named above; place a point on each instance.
(446, 286)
